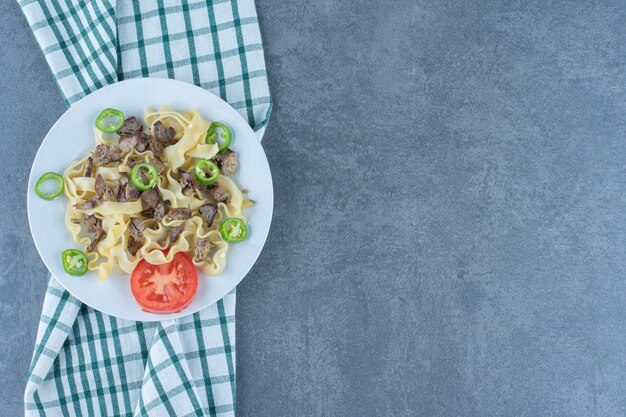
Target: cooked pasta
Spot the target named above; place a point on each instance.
(119, 225)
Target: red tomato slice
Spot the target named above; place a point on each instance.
(166, 288)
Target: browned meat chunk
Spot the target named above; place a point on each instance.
(96, 239)
(112, 193)
(161, 208)
(100, 234)
(186, 181)
(132, 193)
(136, 227)
(181, 213)
(134, 245)
(158, 164)
(208, 212)
(142, 143)
(106, 154)
(163, 135)
(87, 205)
(174, 233)
(130, 127)
(88, 167)
(138, 141)
(148, 213)
(103, 191)
(101, 186)
(228, 162)
(202, 250)
(127, 192)
(121, 192)
(152, 197)
(94, 225)
(128, 143)
(136, 239)
(155, 146)
(195, 183)
(219, 194)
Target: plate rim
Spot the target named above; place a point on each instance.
(153, 317)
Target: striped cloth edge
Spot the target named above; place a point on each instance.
(90, 364)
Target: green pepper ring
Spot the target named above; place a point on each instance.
(74, 262)
(134, 176)
(226, 135)
(199, 169)
(49, 176)
(106, 113)
(227, 233)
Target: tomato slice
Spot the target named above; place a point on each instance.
(166, 288)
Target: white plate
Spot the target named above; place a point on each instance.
(72, 138)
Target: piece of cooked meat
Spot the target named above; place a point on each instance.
(132, 193)
(106, 154)
(131, 126)
(128, 143)
(134, 245)
(127, 192)
(219, 194)
(138, 141)
(148, 213)
(186, 181)
(121, 194)
(136, 226)
(228, 162)
(214, 190)
(114, 156)
(136, 238)
(197, 184)
(158, 164)
(208, 212)
(163, 135)
(88, 167)
(87, 205)
(94, 225)
(112, 193)
(103, 191)
(202, 249)
(142, 144)
(154, 146)
(174, 233)
(151, 196)
(101, 186)
(180, 213)
(161, 208)
(100, 234)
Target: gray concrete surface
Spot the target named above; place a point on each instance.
(450, 222)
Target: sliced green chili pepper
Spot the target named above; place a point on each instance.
(111, 127)
(146, 178)
(74, 262)
(207, 171)
(233, 230)
(49, 176)
(211, 135)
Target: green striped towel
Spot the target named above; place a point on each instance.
(90, 364)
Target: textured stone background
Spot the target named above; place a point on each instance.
(449, 230)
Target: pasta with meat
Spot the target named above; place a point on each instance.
(119, 224)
